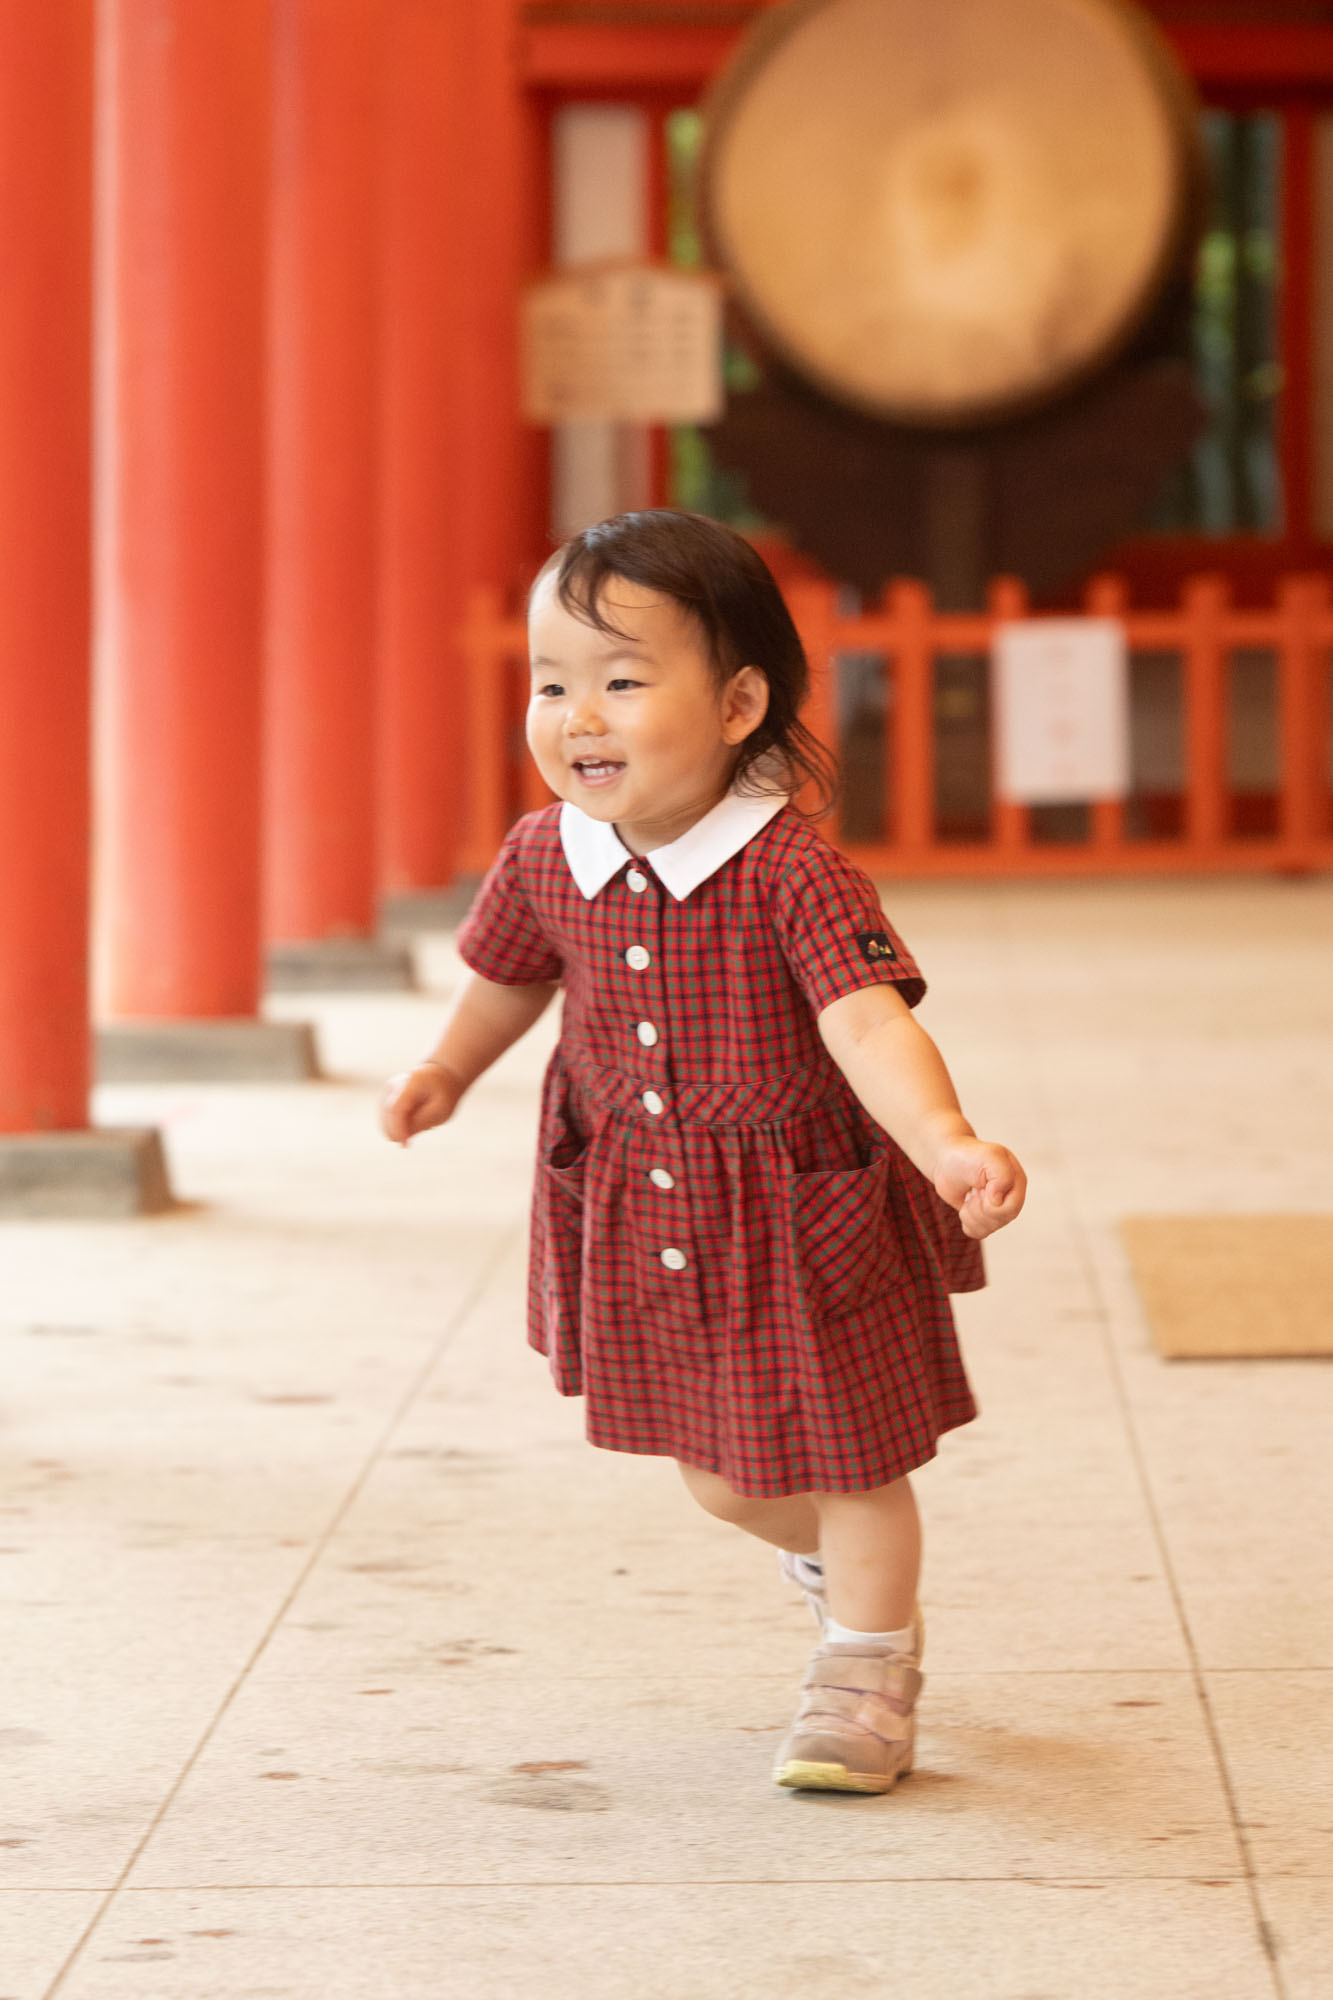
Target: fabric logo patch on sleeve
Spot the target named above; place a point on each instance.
(876, 946)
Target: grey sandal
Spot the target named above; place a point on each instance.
(855, 1730)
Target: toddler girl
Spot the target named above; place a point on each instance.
(755, 1188)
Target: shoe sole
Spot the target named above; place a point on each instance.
(797, 1775)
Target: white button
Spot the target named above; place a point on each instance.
(652, 1102)
(647, 1034)
(637, 882)
(661, 1178)
(675, 1260)
(637, 957)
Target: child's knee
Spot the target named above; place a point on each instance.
(713, 1494)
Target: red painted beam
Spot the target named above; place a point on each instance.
(591, 56)
(1282, 56)
(622, 55)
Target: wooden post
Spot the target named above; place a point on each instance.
(486, 709)
(1107, 597)
(427, 190)
(1302, 721)
(182, 232)
(813, 608)
(1296, 333)
(1012, 821)
(1203, 606)
(488, 448)
(46, 66)
(465, 482)
(912, 717)
(323, 350)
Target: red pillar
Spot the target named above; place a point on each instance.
(425, 193)
(182, 232)
(491, 445)
(45, 310)
(321, 757)
(463, 494)
(494, 459)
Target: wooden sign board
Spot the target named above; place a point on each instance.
(1061, 706)
(623, 343)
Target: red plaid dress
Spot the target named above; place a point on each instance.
(730, 1260)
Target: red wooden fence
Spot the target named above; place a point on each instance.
(1203, 632)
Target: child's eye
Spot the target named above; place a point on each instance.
(622, 681)
(551, 688)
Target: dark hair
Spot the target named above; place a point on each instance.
(730, 592)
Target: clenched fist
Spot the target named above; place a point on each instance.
(420, 1098)
(983, 1182)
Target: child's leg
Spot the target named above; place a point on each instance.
(870, 1546)
(855, 1730)
(788, 1523)
(869, 1543)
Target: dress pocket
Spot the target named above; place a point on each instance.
(562, 1148)
(566, 1156)
(558, 1219)
(843, 1233)
(564, 1169)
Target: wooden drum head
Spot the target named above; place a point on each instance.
(942, 210)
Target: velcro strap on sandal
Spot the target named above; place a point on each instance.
(866, 1673)
(879, 1715)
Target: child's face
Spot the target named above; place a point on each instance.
(636, 730)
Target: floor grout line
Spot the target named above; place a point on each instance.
(557, 1883)
(401, 1410)
(780, 1679)
(1096, 1292)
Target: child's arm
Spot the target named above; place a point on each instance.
(899, 1075)
(485, 1020)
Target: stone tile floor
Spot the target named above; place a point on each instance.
(339, 1668)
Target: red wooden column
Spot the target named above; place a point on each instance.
(494, 459)
(182, 233)
(421, 688)
(321, 763)
(46, 257)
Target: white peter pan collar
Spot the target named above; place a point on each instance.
(595, 852)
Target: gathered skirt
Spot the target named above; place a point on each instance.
(758, 1284)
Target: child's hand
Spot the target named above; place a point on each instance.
(983, 1182)
(412, 1103)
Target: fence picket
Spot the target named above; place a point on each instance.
(1204, 606)
(911, 716)
(1302, 721)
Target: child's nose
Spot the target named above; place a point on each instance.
(583, 719)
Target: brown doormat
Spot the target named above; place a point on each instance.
(1245, 1286)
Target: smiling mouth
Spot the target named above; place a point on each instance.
(596, 770)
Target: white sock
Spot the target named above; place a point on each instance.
(810, 1570)
(845, 1635)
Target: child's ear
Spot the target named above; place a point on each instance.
(744, 704)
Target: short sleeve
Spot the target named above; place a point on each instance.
(833, 931)
(500, 938)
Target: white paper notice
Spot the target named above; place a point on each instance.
(628, 343)
(1061, 707)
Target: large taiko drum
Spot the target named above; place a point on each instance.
(945, 211)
